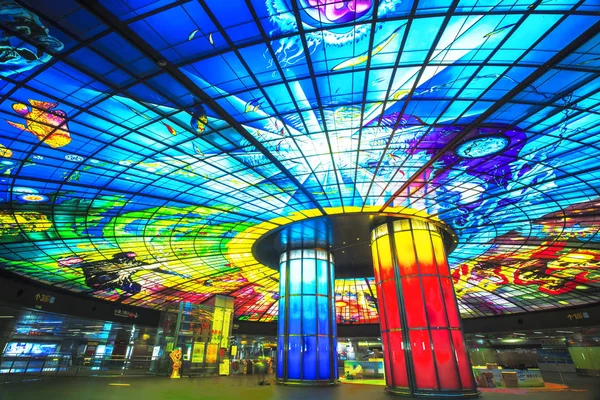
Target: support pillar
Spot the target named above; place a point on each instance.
(306, 334)
(424, 348)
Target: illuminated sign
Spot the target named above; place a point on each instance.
(44, 298)
(581, 315)
(126, 314)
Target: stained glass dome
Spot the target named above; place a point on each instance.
(145, 145)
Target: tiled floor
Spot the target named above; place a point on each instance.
(225, 388)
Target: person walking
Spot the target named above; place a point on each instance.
(261, 367)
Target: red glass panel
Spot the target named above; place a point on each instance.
(391, 310)
(387, 356)
(405, 253)
(398, 361)
(423, 360)
(386, 269)
(413, 302)
(445, 361)
(427, 263)
(436, 313)
(450, 302)
(464, 364)
(382, 306)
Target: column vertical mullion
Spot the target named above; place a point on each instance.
(420, 277)
(286, 329)
(445, 311)
(410, 368)
(383, 300)
(317, 333)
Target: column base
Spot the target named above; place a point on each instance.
(456, 394)
(306, 383)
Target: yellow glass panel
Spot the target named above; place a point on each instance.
(440, 255)
(386, 269)
(405, 253)
(424, 252)
(375, 261)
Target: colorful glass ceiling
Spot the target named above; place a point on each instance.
(146, 144)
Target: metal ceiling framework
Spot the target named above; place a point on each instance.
(282, 144)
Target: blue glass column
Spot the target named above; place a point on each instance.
(306, 327)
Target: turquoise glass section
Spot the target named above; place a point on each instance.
(282, 288)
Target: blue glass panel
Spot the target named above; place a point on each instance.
(323, 314)
(294, 357)
(336, 372)
(324, 358)
(309, 315)
(280, 356)
(309, 370)
(295, 317)
(281, 319)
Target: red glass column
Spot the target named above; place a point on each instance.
(424, 348)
